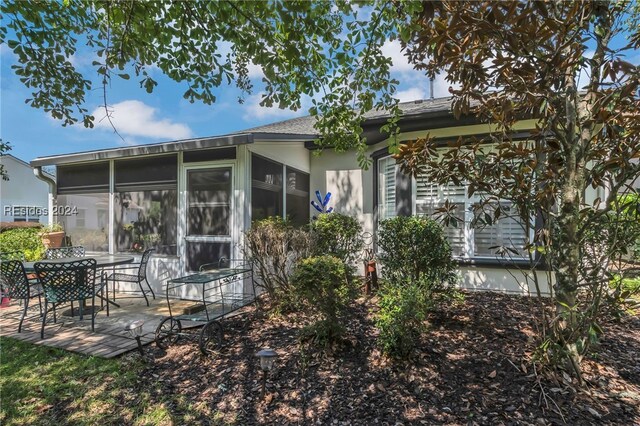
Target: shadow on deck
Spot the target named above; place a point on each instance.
(109, 338)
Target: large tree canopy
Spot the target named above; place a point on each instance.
(329, 51)
(565, 64)
(572, 66)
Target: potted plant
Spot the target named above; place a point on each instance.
(52, 236)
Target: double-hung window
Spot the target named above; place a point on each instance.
(468, 236)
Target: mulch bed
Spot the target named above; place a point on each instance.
(473, 367)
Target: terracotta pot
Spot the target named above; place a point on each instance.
(53, 239)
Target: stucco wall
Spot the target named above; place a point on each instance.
(22, 189)
(353, 194)
(290, 153)
(502, 279)
(350, 186)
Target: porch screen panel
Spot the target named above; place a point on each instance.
(146, 173)
(430, 197)
(297, 196)
(209, 202)
(146, 204)
(386, 188)
(146, 219)
(266, 188)
(199, 253)
(87, 221)
(83, 179)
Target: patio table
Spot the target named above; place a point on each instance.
(102, 262)
(218, 300)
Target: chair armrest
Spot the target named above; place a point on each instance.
(124, 267)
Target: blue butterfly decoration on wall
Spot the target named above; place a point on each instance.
(321, 205)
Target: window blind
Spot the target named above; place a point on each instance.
(386, 188)
(430, 197)
(465, 240)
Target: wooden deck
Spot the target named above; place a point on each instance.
(109, 339)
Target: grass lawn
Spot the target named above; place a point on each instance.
(46, 386)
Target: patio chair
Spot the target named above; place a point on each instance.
(16, 285)
(136, 278)
(63, 252)
(66, 282)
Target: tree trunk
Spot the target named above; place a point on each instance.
(566, 240)
(566, 332)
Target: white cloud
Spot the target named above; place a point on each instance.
(133, 118)
(255, 112)
(4, 49)
(416, 82)
(255, 71)
(411, 94)
(393, 50)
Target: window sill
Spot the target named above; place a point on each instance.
(497, 263)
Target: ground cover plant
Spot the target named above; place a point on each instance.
(45, 386)
(24, 240)
(473, 367)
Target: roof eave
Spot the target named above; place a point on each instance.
(161, 148)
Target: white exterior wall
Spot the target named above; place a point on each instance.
(352, 190)
(502, 279)
(351, 187)
(22, 189)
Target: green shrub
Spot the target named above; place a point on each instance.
(337, 235)
(25, 240)
(416, 248)
(321, 282)
(275, 246)
(401, 319)
(629, 218)
(419, 275)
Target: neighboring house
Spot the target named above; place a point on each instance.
(194, 198)
(24, 197)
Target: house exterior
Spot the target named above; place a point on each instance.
(25, 198)
(192, 199)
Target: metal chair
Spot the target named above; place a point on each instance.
(63, 252)
(16, 285)
(136, 278)
(68, 282)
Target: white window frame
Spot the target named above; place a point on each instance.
(381, 201)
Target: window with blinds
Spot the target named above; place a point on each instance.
(465, 239)
(430, 197)
(386, 188)
(507, 231)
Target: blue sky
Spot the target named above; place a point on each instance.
(150, 118)
(163, 115)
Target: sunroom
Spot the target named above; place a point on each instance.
(189, 200)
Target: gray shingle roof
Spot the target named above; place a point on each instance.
(295, 127)
(304, 125)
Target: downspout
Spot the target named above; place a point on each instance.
(52, 191)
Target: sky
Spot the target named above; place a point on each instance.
(164, 115)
